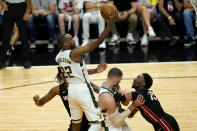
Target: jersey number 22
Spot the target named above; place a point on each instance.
(66, 71)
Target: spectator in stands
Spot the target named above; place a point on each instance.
(92, 15)
(170, 10)
(69, 11)
(189, 16)
(1, 14)
(147, 11)
(15, 34)
(43, 11)
(15, 11)
(13, 40)
(127, 11)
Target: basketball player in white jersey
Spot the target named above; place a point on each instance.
(113, 114)
(80, 94)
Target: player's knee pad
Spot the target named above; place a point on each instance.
(76, 121)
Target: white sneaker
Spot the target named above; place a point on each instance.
(144, 41)
(85, 41)
(114, 38)
(32, 45)
(76, 40)
(103, 45)
(130, 38)
(196, 21)
(151, 32)
(50, 46)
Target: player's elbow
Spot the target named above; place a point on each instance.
(41, 103)
(115, 122)
(38, 104)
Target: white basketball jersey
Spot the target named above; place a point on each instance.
(108, 123)
(75, 73)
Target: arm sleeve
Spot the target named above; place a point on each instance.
(118, 97)
(117, 118)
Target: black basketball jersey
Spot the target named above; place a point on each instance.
(152, 111)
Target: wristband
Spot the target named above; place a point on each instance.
(45, 13)
(169, 17)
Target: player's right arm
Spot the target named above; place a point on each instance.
(95, 87)
(50, 95)
(133, 113)
(100, 68)
(77, 53)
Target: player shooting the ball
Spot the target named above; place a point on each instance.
(80, 93)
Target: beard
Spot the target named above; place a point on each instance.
(73, 46)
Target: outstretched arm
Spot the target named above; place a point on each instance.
(117, 118)
(77, 53)
(133, 113)
(100, 68)
(50, 95)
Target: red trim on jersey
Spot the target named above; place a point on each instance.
(165, 125)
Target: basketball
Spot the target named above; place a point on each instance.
(107, 10)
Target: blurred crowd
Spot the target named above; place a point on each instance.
(21, 19)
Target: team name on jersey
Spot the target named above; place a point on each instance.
(63, 60)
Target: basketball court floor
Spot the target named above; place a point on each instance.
(174, 85)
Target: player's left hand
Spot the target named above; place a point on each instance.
(36, 99)
(101, 67)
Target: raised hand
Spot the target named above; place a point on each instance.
(114, 17)
(101, 67)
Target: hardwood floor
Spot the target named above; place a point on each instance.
(174, 84)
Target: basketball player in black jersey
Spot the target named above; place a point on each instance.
(151, 110)
(61, 90)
